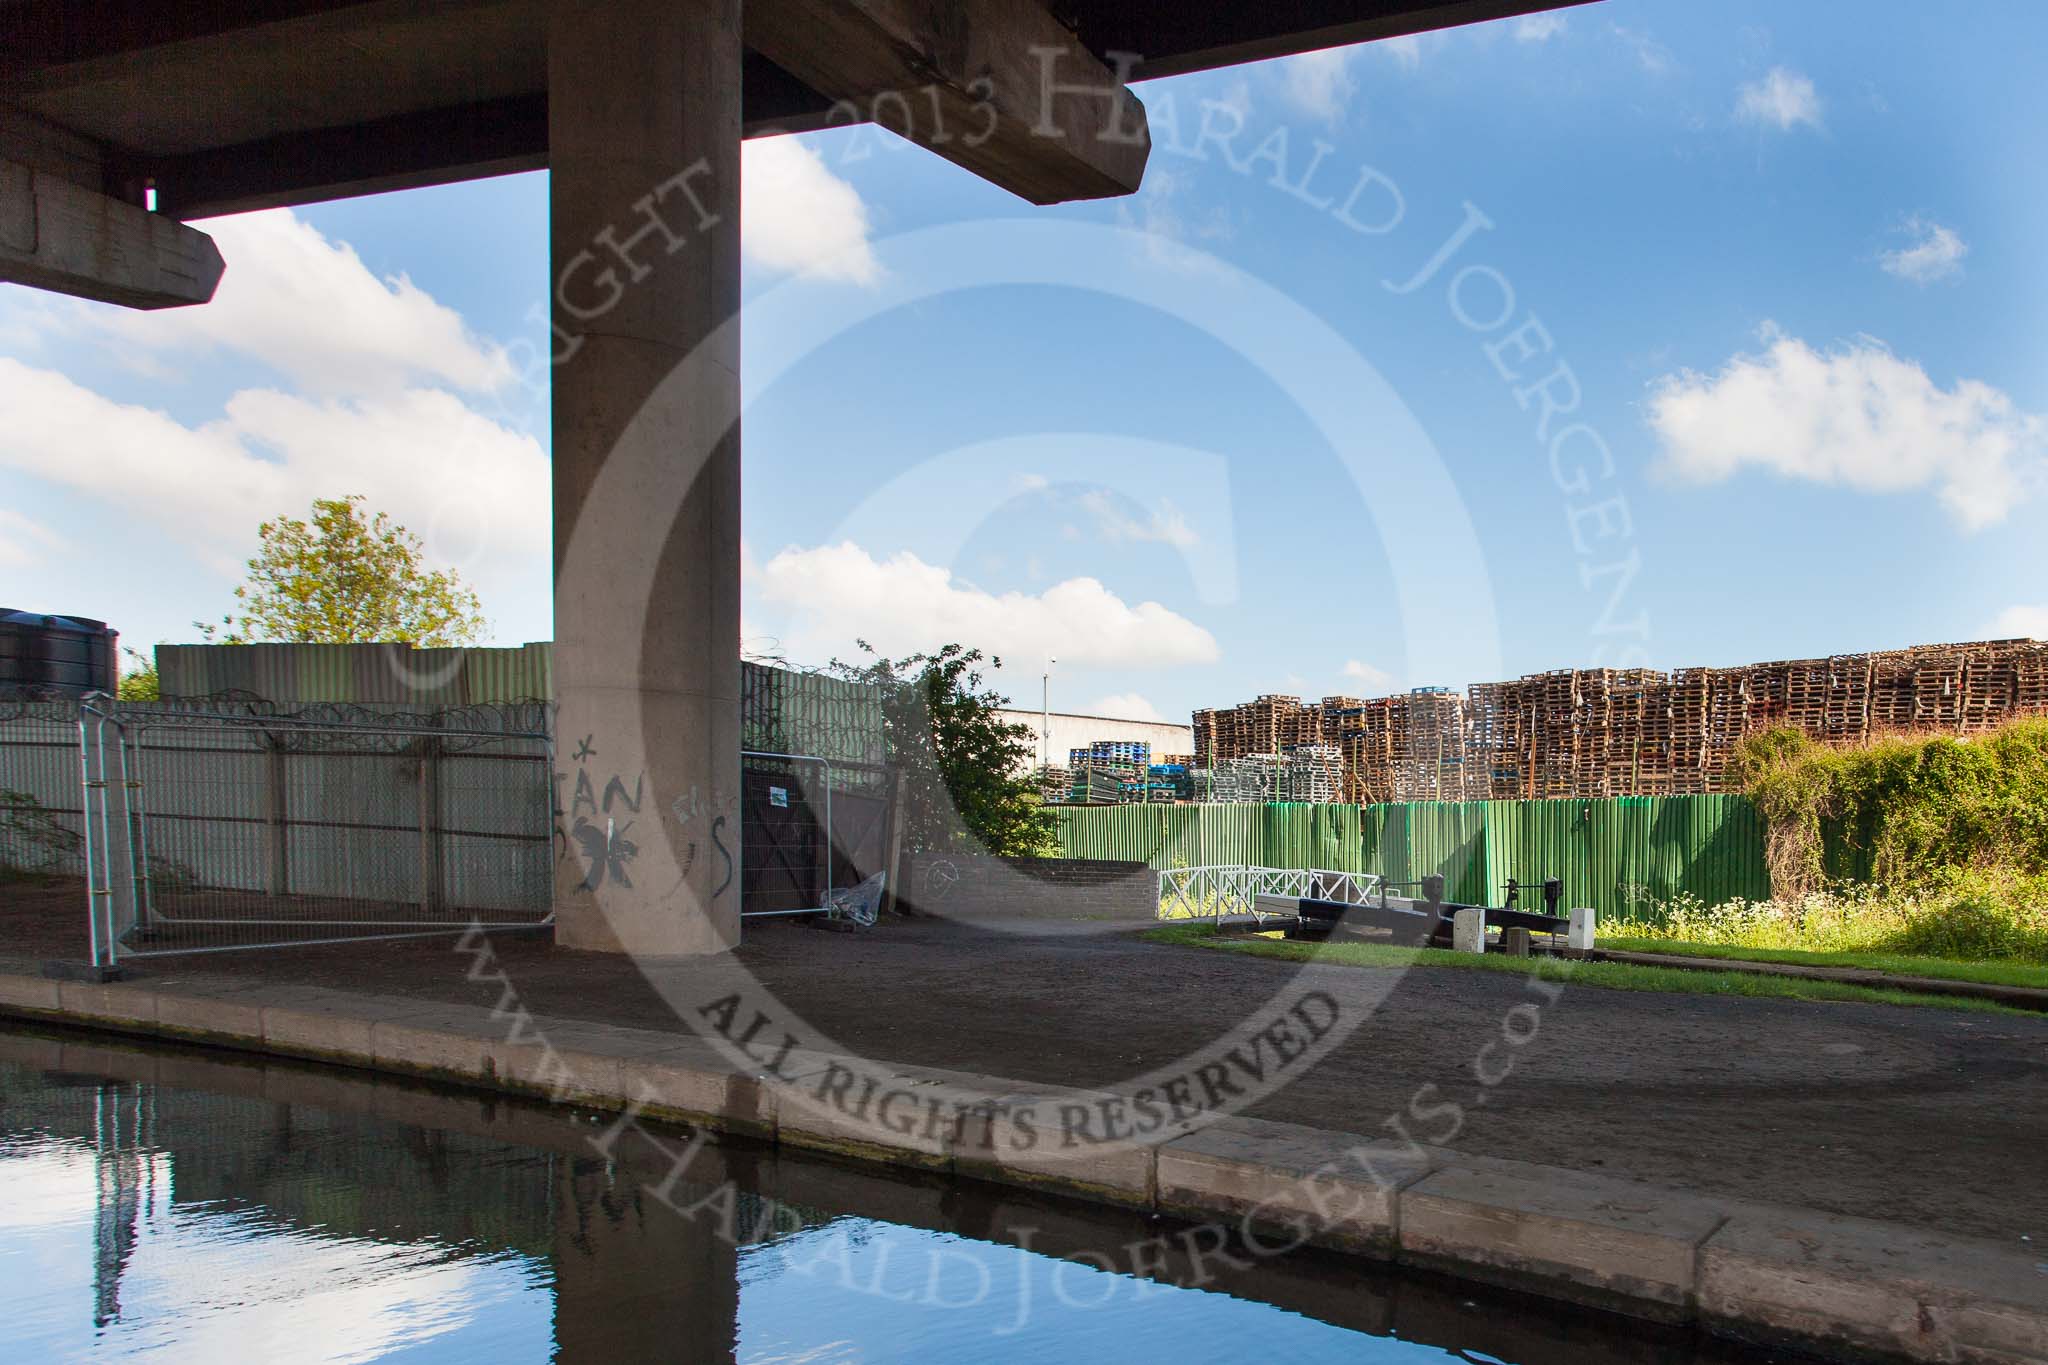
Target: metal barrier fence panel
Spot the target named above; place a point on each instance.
(220, 823)
(809, 825)
(222, 829)
(41, 813)
(785, 828)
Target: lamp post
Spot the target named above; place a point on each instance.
(1045, 714)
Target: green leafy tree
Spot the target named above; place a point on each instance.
(346, 578)
(139, 682)
(960, 758)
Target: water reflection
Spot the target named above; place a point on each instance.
(170, 1205)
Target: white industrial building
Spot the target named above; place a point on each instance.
(1054, 735)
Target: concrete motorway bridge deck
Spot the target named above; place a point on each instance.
(1924, 1116)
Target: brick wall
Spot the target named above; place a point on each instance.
(970, 887)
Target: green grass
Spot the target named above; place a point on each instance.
(1897, 964)
(1618, 976)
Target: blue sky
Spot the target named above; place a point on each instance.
(1192, 442)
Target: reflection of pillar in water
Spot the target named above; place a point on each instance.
(634, 1279)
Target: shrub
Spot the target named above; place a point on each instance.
(1899, 811)
(1971, 916)
(1922, 844)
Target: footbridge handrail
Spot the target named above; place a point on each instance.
(1224, 890)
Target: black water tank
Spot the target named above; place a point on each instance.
(60, 656)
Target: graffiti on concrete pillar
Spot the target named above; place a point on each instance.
(716, 825)
(686, 808)
(593, 827)
(558, 816)
(607, 852)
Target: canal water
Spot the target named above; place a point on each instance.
(175, 1204)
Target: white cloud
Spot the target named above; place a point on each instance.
(1652, 56)
(1406, 49)
(1320, 84)
(1783, 99)
(797, 216)
(1936, 254)
(1538, 28)
(474, 491)
(308, 307)
(2019, 622)
(381, 380)
(1378, 680)
(834, 593)
(1166, 526)
(1124, 706)
(1857, 416)
(24, 542)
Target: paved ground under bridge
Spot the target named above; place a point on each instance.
(1926, 1116)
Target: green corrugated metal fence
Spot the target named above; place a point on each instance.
(781, 710)
(1617, 854)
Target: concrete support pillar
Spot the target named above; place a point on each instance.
(1579, 936)
(644, 156)
(1468, 930)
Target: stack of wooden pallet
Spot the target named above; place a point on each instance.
(1612, 732)
(1554, 698)
(1891, 691)
(1433, 746)
(1498, 740)
(1364, 740)
(1270, 724)
(1990, 685)
(1248, 779)
(1133, 753)
(1736, 701)
(1298, 725)
(1632, 735)
(1688, 705)
(1938, 691)
(1410, 747)
(1314, 772)
(1654, 772)
(2030, 678)
(1795, 694)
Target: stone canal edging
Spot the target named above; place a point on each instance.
(1846, 1287)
